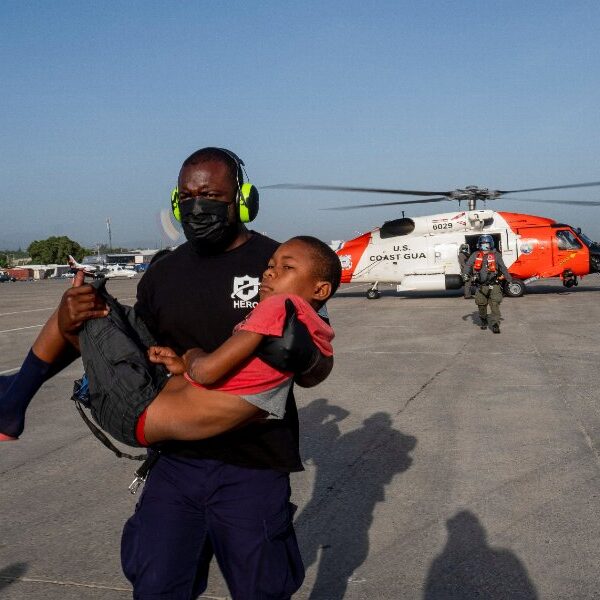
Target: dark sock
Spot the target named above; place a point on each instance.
(23, 386)
(5, 381)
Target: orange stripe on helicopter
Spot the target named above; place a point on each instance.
(350, 254)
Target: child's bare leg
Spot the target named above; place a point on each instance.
(50, 344)
(50, 353)
(183, 412)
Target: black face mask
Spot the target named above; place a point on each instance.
(206, 224)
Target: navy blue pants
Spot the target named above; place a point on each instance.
(191, 509)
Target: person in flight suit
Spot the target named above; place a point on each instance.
(489, 268)
(464, 252)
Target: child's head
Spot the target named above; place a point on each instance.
(304, 266)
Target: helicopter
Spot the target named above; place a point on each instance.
(421, 253)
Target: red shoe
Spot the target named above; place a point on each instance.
(7, 438)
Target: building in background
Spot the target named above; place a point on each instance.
(139, 259)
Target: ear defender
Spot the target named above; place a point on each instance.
(247, 204)
(175, 204)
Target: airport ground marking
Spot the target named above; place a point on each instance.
(21, 328)
(65, 583)
(96, 586)
(22, 312)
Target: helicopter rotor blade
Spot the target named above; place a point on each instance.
(554, 187)
(339, 188)
(350, 207)
(574, 202)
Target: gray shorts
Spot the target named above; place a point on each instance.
(122, 381)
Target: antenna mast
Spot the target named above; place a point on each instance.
(109, 234)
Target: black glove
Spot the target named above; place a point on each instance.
(295, 350)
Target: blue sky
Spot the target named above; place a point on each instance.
(102, 101)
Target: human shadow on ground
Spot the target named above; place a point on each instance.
(468, 568)
(12, 574)
(352, 470)
(474, 318)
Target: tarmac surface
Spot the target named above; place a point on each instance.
(442, 462)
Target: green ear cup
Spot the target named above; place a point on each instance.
(247, 203)
(175, 204)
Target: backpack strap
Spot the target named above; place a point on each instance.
(104, 438)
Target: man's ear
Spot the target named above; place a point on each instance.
(322, 291)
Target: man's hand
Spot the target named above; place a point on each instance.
(78, 304)
(295, 350)
(164, 355)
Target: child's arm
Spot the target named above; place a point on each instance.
(166, 356)
(208, 368)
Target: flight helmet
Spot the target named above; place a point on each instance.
(464, 248)
(485, 242)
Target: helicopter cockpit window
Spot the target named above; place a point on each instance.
(397, 227)
(566, 240)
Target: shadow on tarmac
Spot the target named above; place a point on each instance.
(351, 473)
(536, 289)
(12, 573)
(474, 316)
(468, 568)
(392, 293)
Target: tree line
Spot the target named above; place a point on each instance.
(53, 250)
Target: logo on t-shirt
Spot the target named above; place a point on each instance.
(245, 288)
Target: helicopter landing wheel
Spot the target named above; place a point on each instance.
(373, 294)
(514, 289)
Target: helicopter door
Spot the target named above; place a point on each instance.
(566, 250)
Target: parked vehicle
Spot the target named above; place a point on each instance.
(114, 271)
(6, 277)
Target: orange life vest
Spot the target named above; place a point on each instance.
(491, 262)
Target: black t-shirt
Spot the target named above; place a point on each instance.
(188, 301)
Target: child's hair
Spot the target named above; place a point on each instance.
(327, 266)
